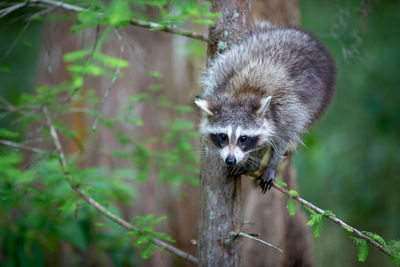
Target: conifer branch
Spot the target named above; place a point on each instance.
(332, 218)
(154, 26)
(94, 203)
(329, 216)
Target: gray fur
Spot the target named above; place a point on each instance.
(286, 64)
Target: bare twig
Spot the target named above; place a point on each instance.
(5, 11)
(107, 93)
(42, 12)
(260, 240)
(60, 5)
(76, 90)
(144, 24)
(20, 146)
(9, 107)
(15, 41)
(97, 205)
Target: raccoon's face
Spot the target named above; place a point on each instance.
(235, 131)
(233, 143)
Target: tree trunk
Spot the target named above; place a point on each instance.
(220, 199)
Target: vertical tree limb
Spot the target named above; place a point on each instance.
(220, 210)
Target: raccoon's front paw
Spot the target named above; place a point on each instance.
(235, 171)
(267, 179)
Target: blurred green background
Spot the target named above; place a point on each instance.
(351, 160)
(350, 163)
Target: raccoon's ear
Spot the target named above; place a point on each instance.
(264, 106)
(204, 105)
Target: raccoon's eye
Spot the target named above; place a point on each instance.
(222, 137)
(243, 139)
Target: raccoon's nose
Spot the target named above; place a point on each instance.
(230, 160)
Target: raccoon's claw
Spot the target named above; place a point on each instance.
(267, 179)
(234, 172)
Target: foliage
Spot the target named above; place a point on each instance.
(316, 221)
(362, 248)
(291, 207)
(145, 233)
(350, 162)
(392, 248)
(120, 12)
(280, 182)
(39, 211)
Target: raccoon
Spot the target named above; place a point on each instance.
(264, 93)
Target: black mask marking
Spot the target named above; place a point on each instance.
(219, 139)
(247, 143)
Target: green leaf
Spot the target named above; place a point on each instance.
(5, 133)
(6, 69)
(87, 19)
(293, 193)
(361, 247)
(155, 74)
(348, 229)
(329, 213)
(111, 62)
(75, 55)
(233, 233)
(89, 69)
(139, 97)
(204, 21)
(393, 248)
(280, 182)
(162, 101)
(99, 224)
(183, 108)
(145, 233)
(119, 13)
(291, 207)
(155, 87)
(316, 221)
(375, 237)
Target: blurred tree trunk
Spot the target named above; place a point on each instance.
(147, 51)
(220, 199)
(268, 213)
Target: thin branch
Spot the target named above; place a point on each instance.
(20, 146)
(60, 5)
(89, 61)
(170, 29)
(15, 41)
(97, 205)
(144, 24)
(42, 12)
(107, 93)
(5, 11)
(332, 218)
(9, 107)
(260, 240)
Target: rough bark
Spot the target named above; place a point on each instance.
(220, 210)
